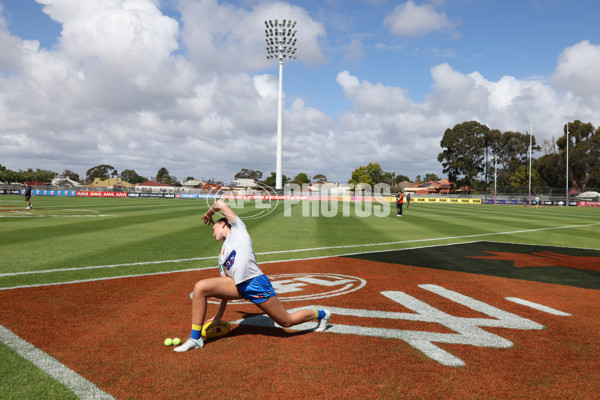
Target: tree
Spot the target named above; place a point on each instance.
(163, 176)
(431, 177)
(401, 178)
(463, 155)
(8, 175)
(584, 158)
(67, 173)
(551, 169)
(371, 174)
(549, 146)
(521, 177)
(506, 153)
(584, 153)
(249, 174)
(272, 180)
(39, 175)
(592, 157)
(129, 175)
(319, 178)
(102, 171)
(388, 177)
(301, 179)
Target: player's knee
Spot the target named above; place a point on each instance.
(200, 288)
(286, 323)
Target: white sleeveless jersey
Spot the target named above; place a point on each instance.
(237, 258)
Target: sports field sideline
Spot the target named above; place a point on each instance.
(522, 277)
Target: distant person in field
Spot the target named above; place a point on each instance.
(28, 197)
(407, 201)
(399, 203)
(537, 201)
(241, 278)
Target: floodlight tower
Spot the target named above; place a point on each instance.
(280, 44)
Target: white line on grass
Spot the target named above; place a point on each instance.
(50, 365)
(350, 246)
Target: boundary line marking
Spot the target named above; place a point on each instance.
(46, 271)
(106, 278)
(50, 365)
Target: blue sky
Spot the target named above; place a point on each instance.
(145, 84)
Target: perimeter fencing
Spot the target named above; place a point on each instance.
(501, 195)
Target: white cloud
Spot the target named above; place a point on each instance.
(118, 89)
(373, 98)
(223, 37)
(410, 19)
(577, 70)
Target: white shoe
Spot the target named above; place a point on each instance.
(190, 344)
(322, 324)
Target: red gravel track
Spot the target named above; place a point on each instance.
(111, 332)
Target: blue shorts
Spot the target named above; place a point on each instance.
(257, 290)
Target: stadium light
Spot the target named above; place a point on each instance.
(281, 44)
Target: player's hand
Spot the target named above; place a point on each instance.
(207, 219)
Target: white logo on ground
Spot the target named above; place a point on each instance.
(309, 286)
(466, 331)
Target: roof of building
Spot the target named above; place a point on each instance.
(153, 184)
(110, 182)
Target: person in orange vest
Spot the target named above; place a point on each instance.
(399, 203)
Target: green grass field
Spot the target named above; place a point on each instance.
(66, 239)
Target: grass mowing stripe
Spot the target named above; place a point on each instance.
(75, 382)
(295, 250)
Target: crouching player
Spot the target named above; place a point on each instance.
(240, 278)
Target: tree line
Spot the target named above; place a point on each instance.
(102, 172)
(472, 150)
(472, 155)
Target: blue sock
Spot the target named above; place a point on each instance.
(321, 314)
(196, 332)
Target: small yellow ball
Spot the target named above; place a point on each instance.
(168, 341)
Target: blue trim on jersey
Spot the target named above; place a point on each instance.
(257, 290)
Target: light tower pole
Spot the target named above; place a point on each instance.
(567, 164)
(280, 44)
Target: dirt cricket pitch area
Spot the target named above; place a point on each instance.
(480, 320)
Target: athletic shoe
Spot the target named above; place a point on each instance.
(28, 208)
(322, 323)
(190, 344)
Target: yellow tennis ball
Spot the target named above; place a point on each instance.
(168, 341)
(176, 341)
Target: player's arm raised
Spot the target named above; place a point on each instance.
(219, 205)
